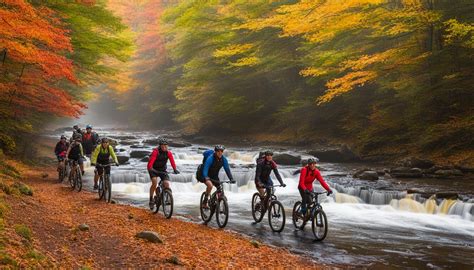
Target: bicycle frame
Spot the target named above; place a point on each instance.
(315, 205)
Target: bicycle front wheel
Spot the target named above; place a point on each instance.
(222, 213)
(72, 179)
(101, 187)
(78, 179)
(167, 203)
(276, 216)
(206, 213)
(319, 225)
(257, 207)
(108, 188)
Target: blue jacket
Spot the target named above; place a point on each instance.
(209, 157)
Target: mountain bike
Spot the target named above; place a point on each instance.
(62, 170)
(314, 213)
(217, 202)
(75, 176)
(105, 185)
(276, 212)
(163, 197)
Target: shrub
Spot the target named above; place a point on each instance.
(23, 231)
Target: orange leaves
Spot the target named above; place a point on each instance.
(346, 83)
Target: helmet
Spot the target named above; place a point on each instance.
(312, 160)
(88, 127)
(63, 137)
(75, 127)
(162, 141)
(104, 140)
(268, 153)
(219, 147)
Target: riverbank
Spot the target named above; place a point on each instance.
(43, 230)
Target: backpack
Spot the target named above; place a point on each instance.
(199, 175)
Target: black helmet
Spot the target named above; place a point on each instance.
(104, 140)
(63, 137)
(268, 153)
(219, 147)
(75, 127)
(312, 160)
(162, 141)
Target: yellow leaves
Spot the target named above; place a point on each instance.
(232, 50)
(462, 33)
(367, 60)
(312, 72)
(346, 83)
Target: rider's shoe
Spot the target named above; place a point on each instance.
(151, 204)
(96, 187)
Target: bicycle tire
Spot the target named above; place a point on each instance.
(108, 188)
(316, 227)
(255, 197)
(276, 209)
(157, 200)
(296, 218)
(206, 217)
(222, 202)
(79, 179)
(100, 189)
(167, 198)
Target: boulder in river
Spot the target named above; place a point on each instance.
(414, 162)
(139, 153)
(126, 142)
(145, 159)
(369, 175)
(464, 168)
(149, 236)
(135, 146)
(448, 173)
(342, 154)
(287, 159)
(359, 172)
(122, 159)
(406, 172)
(179, 144)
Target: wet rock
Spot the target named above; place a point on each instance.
(464, 168)
(381, 172)
(414, 162)
(113, 142)
(287, 159)
(255, 243)
(359, 172)
(369, 175)
(435, 168)
(83, 227)
(145, 159)
(448, 173)
(149, 236)
(128, 142)
(447, 195)
(137, 146)
(405, 172)
(342, 154)
(179, 144)
(139, 153)
(123, 159)
(151, 141)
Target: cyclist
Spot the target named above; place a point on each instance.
(75, 152)
(262, 177)
(157, 167)
(215, 160)
(101, 155)
(307, 176)
(75, 130)
(60, 151)
(90, 140)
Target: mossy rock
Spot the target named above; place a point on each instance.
(23, 188)
(23, 231)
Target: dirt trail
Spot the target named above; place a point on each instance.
(54, 212)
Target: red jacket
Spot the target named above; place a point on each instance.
(158, 160)
(307, 178)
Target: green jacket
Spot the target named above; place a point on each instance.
(103, 154)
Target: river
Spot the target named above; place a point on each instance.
(372, 224)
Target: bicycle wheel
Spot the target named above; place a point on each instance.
(298, 220)
(157, 200)
(206, 213)
(257, 207)
(276, 216)
(319, 225)
(107, 188)
(60, 175)
(167, 198)
(72, 179)
(222, 213)
(101, 187)
(78, 179)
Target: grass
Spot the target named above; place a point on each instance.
(5, 259)
(23, 188)
(34, 254)
(23, 231)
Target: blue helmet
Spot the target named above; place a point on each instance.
(88, 127)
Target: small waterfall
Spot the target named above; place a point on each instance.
(445, 206)
(345, 198)
(463, 209)
(408, 204)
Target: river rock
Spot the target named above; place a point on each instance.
(83, 227)
(343, 154)
(464, 168)
(123, 142)
(122, 159)
(447, 195)
(145, 159)
(414, 162)
(359, 172)
(448, 173)
(369, 175)
(287, 159)
(151, 141)
(405, 172)
(178, 144)
(149, 236)
(139, 153)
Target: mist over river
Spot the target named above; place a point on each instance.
(371, 223)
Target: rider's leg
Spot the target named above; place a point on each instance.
(154, 183)
(98, 173)
(208, 184)
(303, 200)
